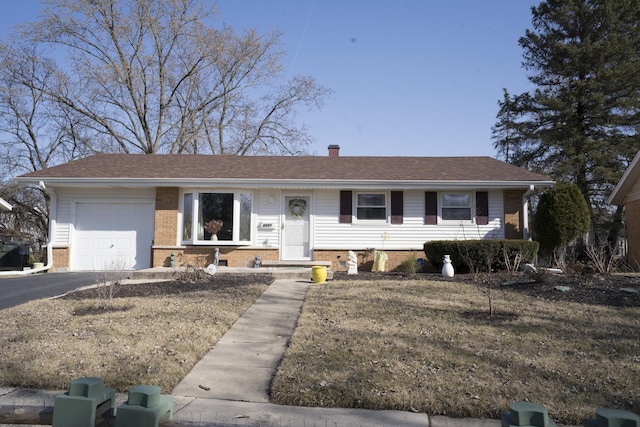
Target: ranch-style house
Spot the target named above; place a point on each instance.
(134, 211)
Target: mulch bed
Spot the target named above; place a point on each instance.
(598, 289)
(195, 283)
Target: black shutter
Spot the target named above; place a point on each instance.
(482, 207)
(397, 207)
(431, 207)
(346, 207)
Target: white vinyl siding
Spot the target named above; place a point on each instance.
(330, 234)
(267, 204)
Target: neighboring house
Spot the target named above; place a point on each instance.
(627, 194)
(4, 205)
(137, 210)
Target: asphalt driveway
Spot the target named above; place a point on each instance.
(18, 290)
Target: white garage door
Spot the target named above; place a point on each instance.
(112, 236)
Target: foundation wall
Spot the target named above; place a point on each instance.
(61, 259)
(365, 258)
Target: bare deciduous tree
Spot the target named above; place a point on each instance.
(155, 76)
(140, 76)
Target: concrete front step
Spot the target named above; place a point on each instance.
(168, 273)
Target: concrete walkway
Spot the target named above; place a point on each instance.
(230, 385)
(243, 362)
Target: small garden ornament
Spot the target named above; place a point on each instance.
(352, 262)
(380, 259)
(216, 256)
(447, 267)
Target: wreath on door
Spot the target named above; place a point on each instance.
(297, 207)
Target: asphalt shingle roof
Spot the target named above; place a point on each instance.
(185, 166)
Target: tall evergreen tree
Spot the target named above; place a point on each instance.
(580, 123)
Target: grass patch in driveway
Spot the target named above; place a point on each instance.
(428, 346)
(148, 333)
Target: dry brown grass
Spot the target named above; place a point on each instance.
(427, 346)
(152, 339)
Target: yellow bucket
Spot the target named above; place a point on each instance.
(319, 274)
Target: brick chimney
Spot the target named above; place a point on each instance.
(334, 150)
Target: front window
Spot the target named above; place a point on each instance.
(224, 217)
(187, 223)
(456, 206)
(371, 206)
(215, 216)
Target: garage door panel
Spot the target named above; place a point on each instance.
(112, 236)
(102, 243)
(84, 243)
(124, 243)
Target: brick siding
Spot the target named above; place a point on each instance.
(365, 258)
(202, 256)
(61, 259)
(512, 200)
(166, 216)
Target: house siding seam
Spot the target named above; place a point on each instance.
(632, 223)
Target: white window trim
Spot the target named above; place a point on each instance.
(387, 208)
(194, 241)
(472, 203)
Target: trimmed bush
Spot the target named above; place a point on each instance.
(562, 216)
(463, 252)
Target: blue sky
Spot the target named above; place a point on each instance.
(409, 77)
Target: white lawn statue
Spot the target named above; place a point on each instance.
(352, 262)
(447, 267)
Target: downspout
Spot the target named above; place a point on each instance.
(52, 210)
(525, 213)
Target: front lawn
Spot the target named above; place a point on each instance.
(146, 334)
(429, 346)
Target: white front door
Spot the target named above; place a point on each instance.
(296, 230)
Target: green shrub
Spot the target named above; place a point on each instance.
(464, 253)
(562, 215)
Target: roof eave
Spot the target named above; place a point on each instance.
(279, 183)
(629, 178)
